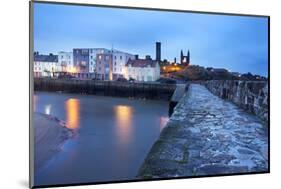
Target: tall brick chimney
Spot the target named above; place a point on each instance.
(158, 51)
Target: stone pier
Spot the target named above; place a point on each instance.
(207, 135)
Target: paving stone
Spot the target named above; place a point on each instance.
(207, 135)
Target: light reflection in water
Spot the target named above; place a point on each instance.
(124, 122)
(48, 109)
(72, 107)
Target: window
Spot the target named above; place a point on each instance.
(115, 57)
(114, 63)
(120, 57)
(84, 51)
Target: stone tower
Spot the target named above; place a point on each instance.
(158, 51)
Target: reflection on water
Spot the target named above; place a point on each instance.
(123, 115)
(48, 109)
(114, 136)
(72, 107)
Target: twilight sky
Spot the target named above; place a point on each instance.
(237, 43)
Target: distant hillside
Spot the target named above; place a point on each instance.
(195, 72)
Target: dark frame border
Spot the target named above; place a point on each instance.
(31, 49)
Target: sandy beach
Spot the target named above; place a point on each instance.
(50, 133)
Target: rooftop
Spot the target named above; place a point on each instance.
(141, 63)
(45, 58)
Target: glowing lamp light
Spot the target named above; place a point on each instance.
(72, 70)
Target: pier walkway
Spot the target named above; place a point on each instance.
(207, 135)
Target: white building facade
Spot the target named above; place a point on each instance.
(46, 65)
(144, 70)
(119, 60)
(65, 60)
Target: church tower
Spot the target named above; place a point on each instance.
(181, 58)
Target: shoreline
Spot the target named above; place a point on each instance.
(49, 135)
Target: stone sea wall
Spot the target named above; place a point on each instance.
(206, 136)
(106, 88)
(252, 96)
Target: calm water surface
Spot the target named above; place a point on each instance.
(113, 137)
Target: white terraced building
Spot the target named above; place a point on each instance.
(65, 60)
(45, 65)
(142, 69)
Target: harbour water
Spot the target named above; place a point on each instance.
(112, 136)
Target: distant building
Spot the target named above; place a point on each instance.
(236, 74)
(93, 58)
(143, 69)
(104, 66)
(84, 60)
(185, 60)
(219, 70)
(81, 59)
(119, 60)
(65, 61)
(45, 65)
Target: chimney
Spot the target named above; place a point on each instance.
(136, 56)
(158, 51)
(147, 57)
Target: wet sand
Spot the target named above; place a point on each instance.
(50, 133)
